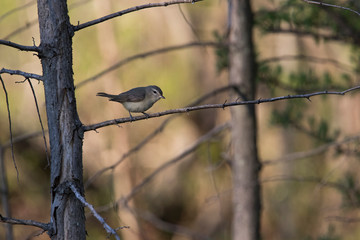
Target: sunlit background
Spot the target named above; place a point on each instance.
(309, 177)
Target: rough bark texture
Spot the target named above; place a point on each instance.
(65, 131)
(246, 188)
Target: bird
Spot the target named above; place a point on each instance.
(138, 99)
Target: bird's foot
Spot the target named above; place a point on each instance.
(147, 115)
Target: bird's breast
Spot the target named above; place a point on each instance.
(137, 106)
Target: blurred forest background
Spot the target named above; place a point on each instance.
(309, 149)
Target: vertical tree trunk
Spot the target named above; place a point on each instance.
(65, 131)
(246, 166)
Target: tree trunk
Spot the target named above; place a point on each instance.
(245, 165)
(65, 131)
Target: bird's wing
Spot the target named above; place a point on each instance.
(133, 95)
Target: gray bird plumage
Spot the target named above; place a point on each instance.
(137, 99)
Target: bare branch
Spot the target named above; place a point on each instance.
(129, 10)
(93, 211)
(152, 135)
(332, 5)
(144, 55)
(129, 153)
(20, 47)
(41, 124)
(167, 164)
(21, 73)
(10, 128)
(209, 106)
(44, 226)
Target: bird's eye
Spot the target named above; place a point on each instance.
(154, 91)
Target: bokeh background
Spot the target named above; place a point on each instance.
(309, 149)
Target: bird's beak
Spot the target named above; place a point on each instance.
(163, 97)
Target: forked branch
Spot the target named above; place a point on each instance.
(19, 46)
(21, 73)
(44, 226)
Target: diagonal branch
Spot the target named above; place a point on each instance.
(21, 73)
(209, 106)
(147, 54)
(167, 164)
(10, 128)
(93, 211)
(332, 5)
(129, 10)
(41, 123)
(19, 46)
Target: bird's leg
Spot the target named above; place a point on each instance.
(147, 115)
(131, 117)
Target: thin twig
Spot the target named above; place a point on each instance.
(188, 22)
(41, 124)
(209, 106)
(44, 226)
(108, 229)
(127, 154)
(331, 5)
(10, 128)
(21, 73)
(167, 164)
(129, 10)
(144, 55)
(19, 46)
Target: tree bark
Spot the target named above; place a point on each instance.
(65, 128)
(245, 164)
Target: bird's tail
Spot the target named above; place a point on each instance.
(102, 94)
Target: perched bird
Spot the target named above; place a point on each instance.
(137, 99)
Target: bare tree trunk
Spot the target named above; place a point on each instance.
(245, 165)
(65, 128)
